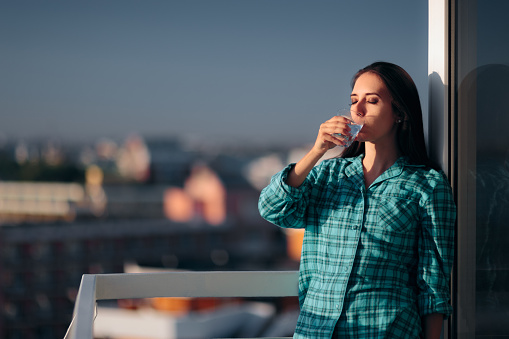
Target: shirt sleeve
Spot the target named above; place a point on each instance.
(436, 251)
(282, 204)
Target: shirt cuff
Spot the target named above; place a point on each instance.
(429, 304)
(285, 191)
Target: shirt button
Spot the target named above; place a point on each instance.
(345, 269)
(337, 306)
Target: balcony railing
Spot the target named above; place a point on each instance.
(96, 287)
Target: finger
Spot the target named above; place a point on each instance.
(340, 130)
(338, 141)
(337, 126)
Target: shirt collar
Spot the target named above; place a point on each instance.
(354, 170)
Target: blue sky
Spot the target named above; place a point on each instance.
(240, 71)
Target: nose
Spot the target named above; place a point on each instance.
(359, 108)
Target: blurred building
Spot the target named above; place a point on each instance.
(29, 201)
(193, 215)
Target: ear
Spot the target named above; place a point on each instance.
(399, 117)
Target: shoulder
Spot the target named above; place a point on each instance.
(332, 168)
(425, 175)
(338, 163)
(426, 181)
(335, 163)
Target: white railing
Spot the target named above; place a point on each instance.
(173, 284)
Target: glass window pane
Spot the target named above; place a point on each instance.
(485, 86)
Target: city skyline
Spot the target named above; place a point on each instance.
(222, 71)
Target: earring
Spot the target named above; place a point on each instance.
(399, 121)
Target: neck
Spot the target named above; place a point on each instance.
(377, 160)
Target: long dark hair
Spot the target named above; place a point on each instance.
(406, 105)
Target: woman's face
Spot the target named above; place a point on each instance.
(373, 103)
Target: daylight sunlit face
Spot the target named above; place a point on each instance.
(372, 100)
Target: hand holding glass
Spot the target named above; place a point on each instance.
(355, 127)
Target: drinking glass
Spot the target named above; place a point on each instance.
(355, 126)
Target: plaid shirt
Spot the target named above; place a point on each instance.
(373, 260)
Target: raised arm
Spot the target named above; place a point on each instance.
(324, 142)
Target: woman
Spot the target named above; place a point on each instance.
(379, 220)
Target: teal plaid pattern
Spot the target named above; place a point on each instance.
(373, 260)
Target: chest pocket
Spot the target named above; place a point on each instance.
(397, 214)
